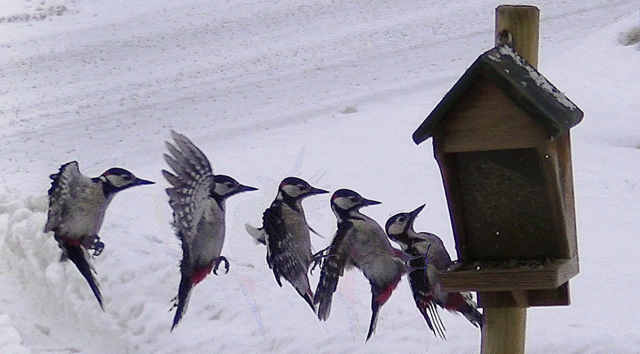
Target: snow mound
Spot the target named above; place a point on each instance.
(10, 340)
(55, 289)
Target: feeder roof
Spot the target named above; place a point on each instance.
(521, 82)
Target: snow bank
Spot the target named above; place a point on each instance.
(10, 340)
(54, 291)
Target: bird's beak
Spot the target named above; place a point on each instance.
(140, 181)
(367, 202)
(317, 191)
(244, 188)
(415, 213)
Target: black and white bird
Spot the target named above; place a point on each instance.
(285, 232)
(197, 198)
(359, 242)
(430, 259)
(77, 206)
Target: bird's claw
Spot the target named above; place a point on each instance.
(316, 263)
(98, 247)
(426, 258)
(316, 259)
(217, 264)
(93, 243)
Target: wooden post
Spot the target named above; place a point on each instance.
(522, 23)
(504, 328)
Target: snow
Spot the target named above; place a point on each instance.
(327, 91)
(536, 77)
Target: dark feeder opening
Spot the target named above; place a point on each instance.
(506, 213)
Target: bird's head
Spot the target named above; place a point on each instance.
(398, 225)
(296, 188)
(346, 201)
(225, 186)
(117, 179)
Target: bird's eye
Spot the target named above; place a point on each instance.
(228, 184)
(401, 219)
(301, 186)
(352, 198)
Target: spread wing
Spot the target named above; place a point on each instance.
(332, 268)
(190, 194)
(60, 193)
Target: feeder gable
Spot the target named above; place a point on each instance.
(501, 72)
(487, 119)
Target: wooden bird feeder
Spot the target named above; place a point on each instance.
(501, 139)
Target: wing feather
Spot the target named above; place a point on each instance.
(280, 256)
(332, 268)
(171, 178)
(195, 155)
(192, 184)
(60, 193)
(275, 240)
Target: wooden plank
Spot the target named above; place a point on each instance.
(553, 188)
(565, 171)
(525, 298)
(549, 276)
(550, 297)
(486, 119)
(558, 171)
(454, 202)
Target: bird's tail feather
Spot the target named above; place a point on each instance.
(326, 287)
(375, 307)
(430, 313)
(304, 289)
(184, 292)
(79, 256)
(462, 303)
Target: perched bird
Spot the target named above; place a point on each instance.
(197, 198)
(77, 205)
(285, 232)
(430, 259)
(362, 243)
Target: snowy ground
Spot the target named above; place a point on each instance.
(328, 91)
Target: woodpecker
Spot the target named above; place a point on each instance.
(430, 259)
(359, 242)
(197, 198)
(77, 205)
(285, 232)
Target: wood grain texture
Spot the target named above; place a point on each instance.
(504, 330)
(486, 119)
(525, 298)
(548, 276)
(523, 23)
